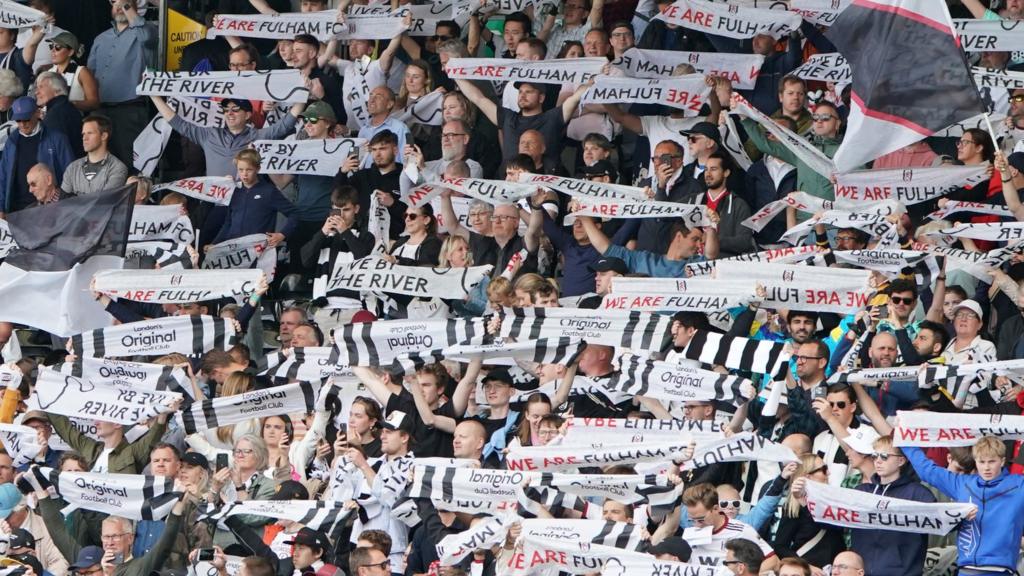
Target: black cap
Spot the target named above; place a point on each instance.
(536, 85)
(240, 102)
(22, 538)
(195, 459)
(290, 490)
(673, 546)
(28, 560)
(600, 168)
(704, 129)
(311, 538)
(398, 420)
(610, 264)
(499, 375)
(1016, 160)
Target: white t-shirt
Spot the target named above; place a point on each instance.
(712, 554)
(359, 77)
(101, 466)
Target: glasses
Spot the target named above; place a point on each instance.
(450, 135)
(883, 456)
(821, 117)
(965, 315)
(846, 238)
(960, 143)
(693, 138)
(112, 537)
(822, 468)
(902, 299)
(411, 216)
(502, 218)
(382, 564)
(242, 451)
(800, 358)
(312, 119)
(666, 158)
(841, 404)
(728, 503)
(231, 109)
(54, 46)
(1016, 98)
(621, 34)
(547, 433)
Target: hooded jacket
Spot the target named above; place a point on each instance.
(993, 537)
(887, 552)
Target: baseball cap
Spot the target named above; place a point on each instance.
(520, 83)
(290, 490)
(311, 538)
(703, 129)
(22, 538)
(240, 102)
(317, 110)
(29, 560)
(23, 108)
(499, 375)
(600, 168)
(398, 420)
(88, 556)
(66, 39)
(9, 498)
(35, 415)
(971, 305)
(610, 264)
(673, 546)
(1016, 160)
(195, 459)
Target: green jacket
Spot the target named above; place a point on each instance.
(803, 127)
(807, 180)
(127, 458)
(49, 508)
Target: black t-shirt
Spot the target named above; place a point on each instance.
(429, 441)
(483, 248)
(27, 157)
(551, 124)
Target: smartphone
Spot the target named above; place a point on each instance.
(818, 392)
(118, 559)
(205, 555)
(222, 461)
(334, 212)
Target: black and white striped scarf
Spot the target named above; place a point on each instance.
(379, 343)
(227, 410)
(625, 329)
(326, 517)
(132, 496)
(542, 351)
(738, 353)
(157, 337)
(641, 376)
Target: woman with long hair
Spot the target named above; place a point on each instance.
(363, 430)
(419, 247)
(220, 440)
(277, 431)
(798, 534)
(84, 91)
(244, 480)
(538, 405)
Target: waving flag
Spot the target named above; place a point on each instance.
(910, 78)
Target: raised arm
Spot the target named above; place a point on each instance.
(628, 121)
(486, 106)
(262, 7)
(597, 238)
(448, 213)
(443, 423)
(1010, 192)
(375, 384)
(976, 7)
(162, 107)
(597, 13)
(565, 387)
(28, 53)
(460, 398)
(573, 102)
(871, 410)
(387, 57)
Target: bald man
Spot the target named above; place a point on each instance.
(848, 564)
(469, 439)
(42, 185)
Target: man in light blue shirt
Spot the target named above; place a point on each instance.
(682, 249)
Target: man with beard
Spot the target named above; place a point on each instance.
(454, 144)
(733, 237)
(380, 177)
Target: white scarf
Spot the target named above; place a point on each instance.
(856, 509)
(177, 286)
(283, 86)
(730, 21)
(686, 93)
(917, 428)
(216, 189)
(320, 157)
(227, 410)
(78, 397)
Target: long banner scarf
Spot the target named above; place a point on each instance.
(542, 351)
(554, 458)
(731, 21)
(216, 189)
(154, 223)
(320, 157)
(177, 286)
(323, 25)
(317, 515)
(711, 301)
(686, 93)
(565, 556)
(130, 375)
(989, 35)
(740, 447)
(884, 260)
(491, 191)
(453, 548)
(150, 144)
(950, 371)
(304, 364)
(640, 286)
(907, 185)
(871, 376)
(815, 159)
(425, 110)
(473, 490)
(585, 188)
(568, 545)
(250, 251)
(819, 12)
(634, 330)
(285, 86)
(373, 274)
(227, 410)
(374, 27)
(877, 225)
(572, 71)
(694, 215)
(379, 343)
(976, 264)
(918, 428)
(995, 231)
(158, 337)
(572, 491)
(801, 201)
(994, 78)
(856, 509)
(81, 398)
(596, 432)
(738, 353)
(14, 15)
(796, 287)
(830, 67)
(20, 442)
(639, 376)
(957, 206)
(132, 496)
(742, 70)
(787, 255)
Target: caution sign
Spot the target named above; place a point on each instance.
(181, 31)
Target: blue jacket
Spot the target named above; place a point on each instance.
(993, 537)
(887, 552)
(254, 211)
(54, 151)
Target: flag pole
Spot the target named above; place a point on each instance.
(991, 132)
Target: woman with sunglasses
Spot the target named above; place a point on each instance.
(84, 90)
(838, 409)
(798, 534)
(420, 246)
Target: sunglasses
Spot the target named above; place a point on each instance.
(54, 46)
(231, 109)
(841, 404)
(821, 117)
(440, 38)
(883, 456)
(312, 119)
(822, 468)
(901, 300)
(728, 503)
(1017, 98)
(410, 216)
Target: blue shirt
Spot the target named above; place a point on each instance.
(254, 211)
(147, 532)
(651, 264)
(392, 124)
(118, 59)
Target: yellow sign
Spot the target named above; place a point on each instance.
(181, 31)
